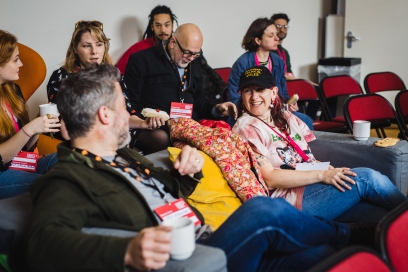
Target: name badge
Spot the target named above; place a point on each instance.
(175, 209)
(25, 161)
(181, 110)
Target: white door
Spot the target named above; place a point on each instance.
(381, 26)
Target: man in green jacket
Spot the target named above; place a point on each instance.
(98, 184)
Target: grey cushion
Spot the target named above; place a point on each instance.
(343, 151)
(160, 159)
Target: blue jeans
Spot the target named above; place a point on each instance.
(267, 234)
(15, 182)
(368, 201)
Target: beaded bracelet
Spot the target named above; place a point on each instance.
(25, 132)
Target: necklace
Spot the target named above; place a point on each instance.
(267, 119)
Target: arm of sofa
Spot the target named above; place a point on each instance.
(343, 151)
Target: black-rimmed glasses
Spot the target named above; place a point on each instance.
(188, 54)
(282, 26)
(83, 23)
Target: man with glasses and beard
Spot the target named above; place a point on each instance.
(166, 74)
(281, 21)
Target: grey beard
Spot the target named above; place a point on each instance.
(125, 142)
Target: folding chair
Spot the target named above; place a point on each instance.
(307, 92)
(224, 73)
(383, 81)
(334, 87)
(391, 237)
(370, 107)
(401, 106)
(353, 258)
(32, 73)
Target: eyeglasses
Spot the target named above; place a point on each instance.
(282, 26)
(188, 54)
(83, 23)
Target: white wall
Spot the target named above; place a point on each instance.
(47, 26)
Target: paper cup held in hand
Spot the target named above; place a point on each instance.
(361, 130)
(48, 109)
(182, 237)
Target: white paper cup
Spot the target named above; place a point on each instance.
(361, 130)
(48, 109)
(182, 237)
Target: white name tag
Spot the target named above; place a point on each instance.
(304, 166)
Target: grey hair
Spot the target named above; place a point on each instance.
(83, 93)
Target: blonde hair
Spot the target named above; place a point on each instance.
(8, 92)
(95, 28)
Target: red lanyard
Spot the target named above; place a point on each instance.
(12, 116)
(292, 143)
(282, 55)
(289, 139)
(259, 64)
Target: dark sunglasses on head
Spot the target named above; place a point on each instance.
(83, 23)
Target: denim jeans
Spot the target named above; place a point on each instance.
(308, 121)
(267, 234)
(15, 182)
(368, 201)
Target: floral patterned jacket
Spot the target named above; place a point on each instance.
(234, 156)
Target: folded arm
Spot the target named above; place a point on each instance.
(279, 178)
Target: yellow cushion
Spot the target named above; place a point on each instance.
(213, 197)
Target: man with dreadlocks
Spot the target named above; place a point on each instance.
(160, 27)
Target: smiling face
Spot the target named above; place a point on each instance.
(9, 71)
(187, 37)
(269, 39)
(162, 26)
(89, 50)
(257, 100)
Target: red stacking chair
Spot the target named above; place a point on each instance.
(353, 258)
(307, 92)
(401, 106)
(224, 73)
(337, 86)
(370, 107)
(383, 81)
(392, 238)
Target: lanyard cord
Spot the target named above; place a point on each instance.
(269, 61)
(125, 168)
(183, 83)
(287, 138)
(13, 118)
(183, 78)
(283, 57)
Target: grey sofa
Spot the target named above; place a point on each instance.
(343, 150)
